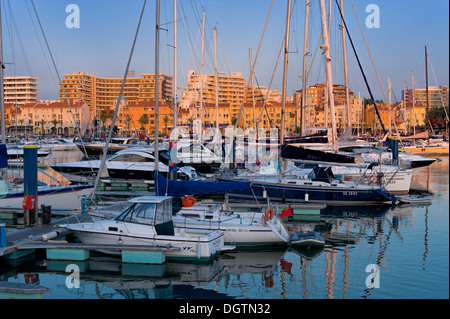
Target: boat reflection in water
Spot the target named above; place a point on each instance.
(382, 236)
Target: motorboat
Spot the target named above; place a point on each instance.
(243, 229)
(199, 157)
(96, 148)
(307, 239)
(148, 222)
(136, 163)
(433, 149)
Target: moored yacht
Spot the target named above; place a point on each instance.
(132, 163)
(148, 222)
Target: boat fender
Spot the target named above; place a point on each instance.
(269, 214)
(188, 201)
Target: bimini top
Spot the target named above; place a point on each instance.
(149, 199)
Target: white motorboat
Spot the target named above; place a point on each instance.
(148, 222)
(128, 164)
(241, 229)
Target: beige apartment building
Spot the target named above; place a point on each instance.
(230, 89)
(437, 96)
(20, 90)
(49, 118)
(101, 93)
(314, 111)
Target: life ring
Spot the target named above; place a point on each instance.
(188, 201)
(372, 179)
(269, 214)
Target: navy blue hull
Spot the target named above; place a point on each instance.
(328, 194)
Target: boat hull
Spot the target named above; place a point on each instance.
(241, 235)
(201, 248)
(59, 197)
(328, 195)
(428, 150)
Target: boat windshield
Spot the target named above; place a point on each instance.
(147, 213)
(141, 213)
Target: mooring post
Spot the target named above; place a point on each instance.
(30, 184)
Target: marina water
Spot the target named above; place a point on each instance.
(371, 252)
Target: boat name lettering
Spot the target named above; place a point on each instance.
(349, 193)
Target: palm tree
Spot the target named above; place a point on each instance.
(166, 120)
(143, 120)
(105, 115)
(191, 121)
(54, 122)
(42, 125)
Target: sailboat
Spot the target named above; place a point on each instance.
(320, 186)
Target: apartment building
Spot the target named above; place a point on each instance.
(101, 93)
(52, 118)
(230, 89)
(437, 96)
(20, 90)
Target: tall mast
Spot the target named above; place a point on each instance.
(253, 88)
(201, 77)
(413, 104)
(215, 79)
(157, 89)
(174, 89)
(2, 98)
(286, 49)
(326, 46)
(4, 171)
(344, 48)
(426, 83)
(305, 45)
(389, 106)
(404, 107)
(283, 94)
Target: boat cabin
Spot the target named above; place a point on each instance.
(150, 210)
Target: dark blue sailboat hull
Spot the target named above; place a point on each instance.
(328, 195)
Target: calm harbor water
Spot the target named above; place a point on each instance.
(404, 249)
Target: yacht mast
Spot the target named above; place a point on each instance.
(201, 76)
(175, 58)
(2, 98)
(305, 44)
(344, 48)
(413, 104)
(326, 47)
(157, 90)
(426, 81)
(283, 95)
(216, 89)
(253, 89)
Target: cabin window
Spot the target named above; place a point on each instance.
(139, 213)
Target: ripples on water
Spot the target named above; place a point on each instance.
(408, 244)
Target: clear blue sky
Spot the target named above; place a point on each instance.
(102, 44)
